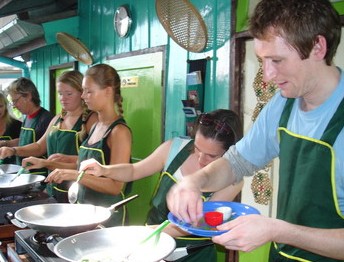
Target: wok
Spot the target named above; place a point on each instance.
(21, 184)
(9, 169)
(66, 219)
(112, 244)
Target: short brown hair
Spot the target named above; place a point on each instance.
(299, 22)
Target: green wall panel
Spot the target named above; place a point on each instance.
(175, 91)
(97, 33)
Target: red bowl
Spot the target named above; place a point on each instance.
(213, 218)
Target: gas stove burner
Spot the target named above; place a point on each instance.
(19, 198)
(12, 199)
(16, 202)
(40, 252)
(40, 238)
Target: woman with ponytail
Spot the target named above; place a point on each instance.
(109, 142)
(64, 134)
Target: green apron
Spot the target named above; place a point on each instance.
(28, 136)
(8, 160)
(307, 190)
(89, 196)
(65, 142)
(159, 211)
(7, 138)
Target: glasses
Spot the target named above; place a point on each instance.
(220, 127)
(15, 101)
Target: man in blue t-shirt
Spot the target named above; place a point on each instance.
(302, 125)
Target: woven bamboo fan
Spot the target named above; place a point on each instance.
(74, 47)
(183, 24)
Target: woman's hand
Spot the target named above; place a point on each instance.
(60, 175)
(6, 152)
(92, 167)
(33, 162)
(63, 158)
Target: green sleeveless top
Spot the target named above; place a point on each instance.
(100, 152)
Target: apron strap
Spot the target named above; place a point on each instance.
(286, 112)
(180, 158)
(335, 125)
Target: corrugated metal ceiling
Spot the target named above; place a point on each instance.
(21, 29)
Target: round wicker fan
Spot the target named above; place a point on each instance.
(183, 24)
(74, 47)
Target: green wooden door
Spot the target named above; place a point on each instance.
(143, 105)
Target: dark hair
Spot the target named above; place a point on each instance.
(299, 22)
(222, 125)
(24, 86)
(105, 75)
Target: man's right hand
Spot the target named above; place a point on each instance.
(185, 202)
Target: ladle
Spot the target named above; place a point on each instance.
(74, 189)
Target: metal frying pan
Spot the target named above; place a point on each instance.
(9, 168)
(112, 244)
(66, 219)
(21, 184)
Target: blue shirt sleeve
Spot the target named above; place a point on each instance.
(260, 145)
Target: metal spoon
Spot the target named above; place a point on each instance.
(74, 189)
(1, 171)
(21, 171)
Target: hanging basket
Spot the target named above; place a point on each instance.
(183, 24)
(74, 47)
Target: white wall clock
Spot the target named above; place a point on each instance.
(122, 21)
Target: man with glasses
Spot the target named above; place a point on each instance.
(25, 98)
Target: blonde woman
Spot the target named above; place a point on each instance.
(9, 128)
(109, 141)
